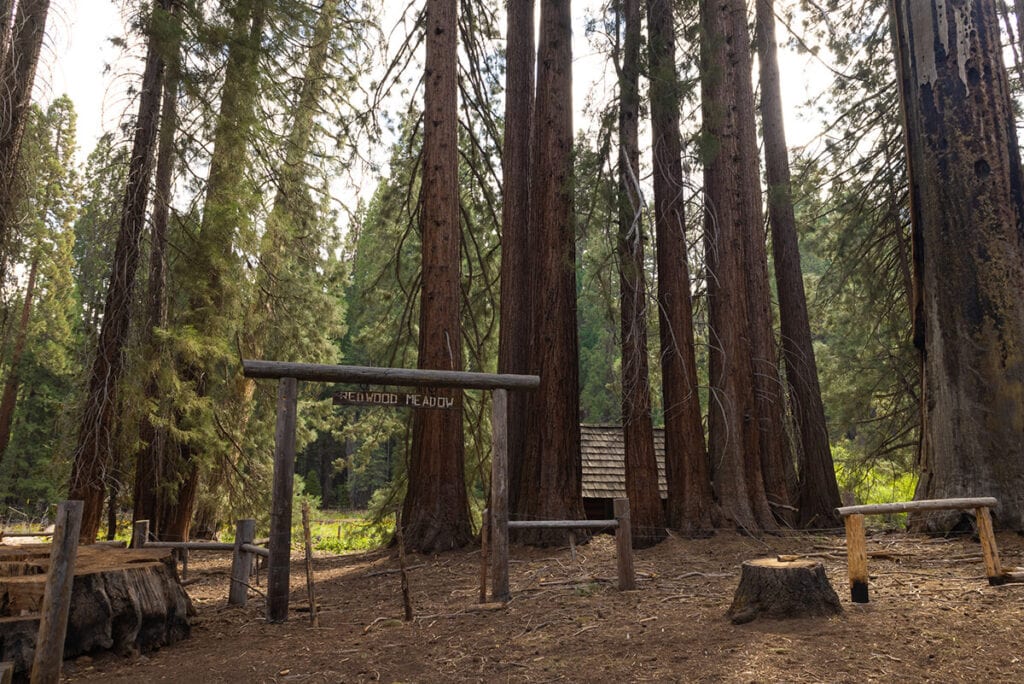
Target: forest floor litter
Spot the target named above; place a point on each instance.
(932, 617)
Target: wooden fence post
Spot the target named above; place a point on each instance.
(6, 673)
(485, 530)
(241, 563)
(307, 539)
(140, 533)
(857, 557)
(989, 550)
(53, 625)
(278, 569)
(624, 545)
(499, 495)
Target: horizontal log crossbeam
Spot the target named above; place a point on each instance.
(403, 377)
(563, 524)
(856, 546)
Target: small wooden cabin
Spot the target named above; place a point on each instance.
(603, 450)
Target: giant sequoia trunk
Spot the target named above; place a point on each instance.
(93, 451)
(516, 238)
(745, 410)
(690, 502)
(435, 515)
(21, 42)
(967, 209)
(550, 481)
(646, 513)
(818, 493)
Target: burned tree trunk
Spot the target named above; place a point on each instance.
(967, 209)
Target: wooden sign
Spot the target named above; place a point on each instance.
(393, 399)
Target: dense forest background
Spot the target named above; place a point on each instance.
(263, 197)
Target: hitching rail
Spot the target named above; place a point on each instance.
(856, 545)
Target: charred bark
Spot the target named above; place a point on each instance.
(967, 212)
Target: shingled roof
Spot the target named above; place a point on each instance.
(604, 452)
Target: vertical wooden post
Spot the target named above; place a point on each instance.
(53, 625)
(485, 530)
(241, 563)
(184, 563)
(857, 557)
(6, 673)
(499, 495)
(989, 550)
(140, 533)
(624, 545)
(278, 569)
(307, 539)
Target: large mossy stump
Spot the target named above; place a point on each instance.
(777, 589)
(123, 600)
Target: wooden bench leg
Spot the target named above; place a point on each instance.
(989, 550)
(857, 558)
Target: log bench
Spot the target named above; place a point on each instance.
(856, 549)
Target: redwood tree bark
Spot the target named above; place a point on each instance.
(92, 454)
(17, 74)
(550, 484)
(435, 516)
(516, 238)
(818, 492)
(738, 314)
(690, 501)
(646, 513)
(967, 209)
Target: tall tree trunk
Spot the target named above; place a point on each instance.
(733, 230)
(17, 74)
(967, 209)
(151, 457)
(435, 515)
(690, 500)
(516, 237)
(646, 513)
(92, 454)
(13, 381)
(818, 493)
(551, 475)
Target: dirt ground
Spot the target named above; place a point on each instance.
(932, 617)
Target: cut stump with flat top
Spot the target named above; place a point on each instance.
(778, 589)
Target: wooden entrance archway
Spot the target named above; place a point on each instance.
(288, 374)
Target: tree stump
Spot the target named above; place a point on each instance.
(777, 589)
(125, 600)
